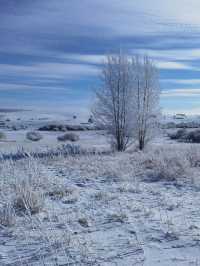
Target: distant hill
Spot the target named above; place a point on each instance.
(10, 110)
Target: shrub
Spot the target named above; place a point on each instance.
(7, 215)
(181, 134)
(193, 136)
(119, 217)
(68, 137)
(71, 149)
(165, 165)
(2, 136)
(28, 200)
(33, 136)
(84, 222)
(68, 194)
(193, 156)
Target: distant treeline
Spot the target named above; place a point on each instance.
(191, 124)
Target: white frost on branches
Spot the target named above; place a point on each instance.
(146, 96)
(127, 103)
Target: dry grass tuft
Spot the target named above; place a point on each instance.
(27, 200)
(7, 215)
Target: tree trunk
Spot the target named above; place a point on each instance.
(141, 144)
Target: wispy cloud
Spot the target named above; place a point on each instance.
(174, 65)
(86, 58)
(20, 87)
(48, 43)
(181, 92)
(51, 70)
(173, 54)
(182, 81)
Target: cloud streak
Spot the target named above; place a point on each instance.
(52, 43)
(181, 93)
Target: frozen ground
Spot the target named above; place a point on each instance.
(29, 120)
(103, 210)
(16, 140)
(133, 208)
(26, 121)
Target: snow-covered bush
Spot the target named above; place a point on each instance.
(68, 137)
(67, 194)
(193, 136)
(33, 136)
(193, 156)
(119, 217)
(71, 149)
(165, 165)
(27, 200)
(7, 215)
(2, 136)
(181, 134)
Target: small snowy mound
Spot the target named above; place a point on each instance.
(33, 136)
(68, 137)
(2, 136)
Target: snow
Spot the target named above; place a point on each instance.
(103, 209)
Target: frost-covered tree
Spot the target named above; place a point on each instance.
(145, 99)
(127, 102)
(113, 107)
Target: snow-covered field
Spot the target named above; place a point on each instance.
(25, 121)
(16, 140)
(131, 208)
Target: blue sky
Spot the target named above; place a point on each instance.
(51, 50)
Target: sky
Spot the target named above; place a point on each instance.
(51, 51)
